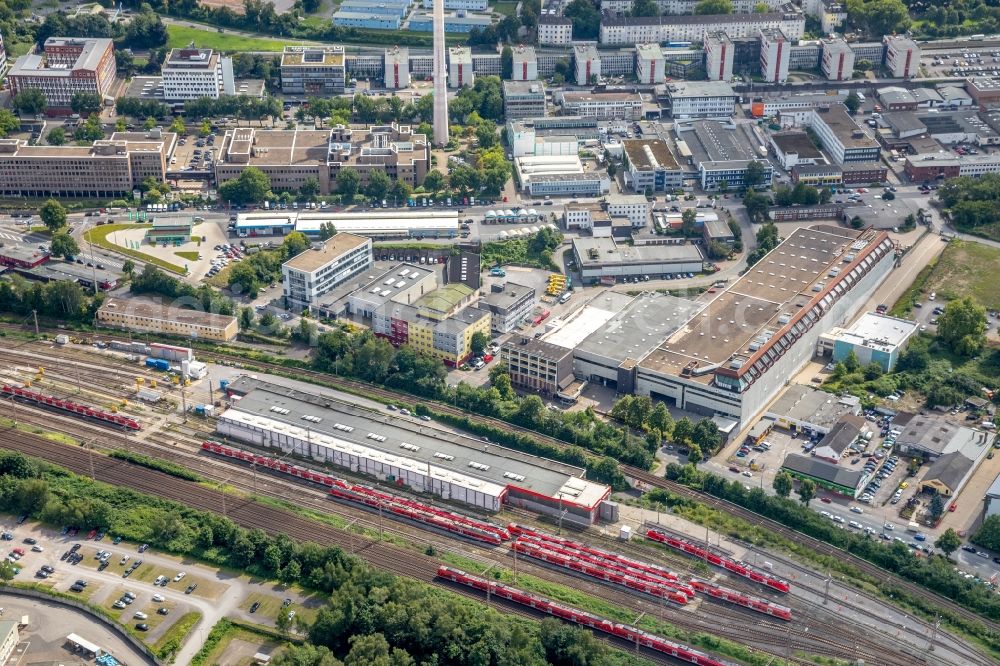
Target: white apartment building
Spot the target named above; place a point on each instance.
(775, 51)
(525, 64)
(554, 30)
(902, 56)
(656, 29)
(700, 99)
(397, 68)
(719, 53)
(9, 638)
(587, 63)
(324, 267)
(468, 5)
(678, 7)
(601, 105)
(633, 206)
(650, 65)
(838, 60)
(193, 73)
(460, 67)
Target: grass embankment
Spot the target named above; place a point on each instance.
(181, 35)
(171, 640)
(155, 463)
(190, 256)
(225, 632)
(99, 237)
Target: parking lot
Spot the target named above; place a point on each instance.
(975, 62)
(193, 153)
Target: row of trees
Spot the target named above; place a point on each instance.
(703, 438)
(151, 280)
(801, 195)
(264, 267)
(972, 203)
(243, 107)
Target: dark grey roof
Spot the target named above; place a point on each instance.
(820, 469)
(949, 470)
(842, 434)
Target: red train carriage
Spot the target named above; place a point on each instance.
(633, 635)
(746, 600)
(702, 553)
(71, 407)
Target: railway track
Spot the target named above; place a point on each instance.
(635, 473)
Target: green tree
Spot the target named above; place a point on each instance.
(695, 454)
(660, 421)
(310, 187)
(644, 8)
(379, 185)
(327, 231)
(294, 244)
(89, 130)
(177, 126)
(85, 103)
(757, 205)
(878, 17)
(243, 280)
(988, 535)
(962, 326)
(7, 570)
(851, 362)
(347, 184)
(56, 136)
(853, 102)
(30, 101)
(937, 506)
(807, 491)
(8, 122)
(434, 181)
(948, 542)
(53, 215)
(478, 342)
(683, 430)
(64, 245)
(507, 63)
(761, 8)
(688, 218)
(782, 484)
(585, 17)
(128, 267)
(246, 318)
(401, 191)
(149, 123)
(857, 222)
(252, 186)
(205, 129)
(754, 174)
(120, 125)
(708, 7)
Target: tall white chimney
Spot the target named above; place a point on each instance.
(440, 78)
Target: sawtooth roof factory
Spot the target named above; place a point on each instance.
(425, 458)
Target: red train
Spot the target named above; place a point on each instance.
(702, 553)
(621, 560)
(656, 589)
(345, 490)
(745, 600)
(625, 632)
(611, 565)
(71, 407)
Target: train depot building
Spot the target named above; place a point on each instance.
(395, 449)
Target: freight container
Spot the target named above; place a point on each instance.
(223, 384)
(147, 395)
(158, 364)
(171, 352)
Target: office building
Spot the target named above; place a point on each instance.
(381, 224)
(397, 68)
(650, 65)
(404, 283)
(453, 467)
(775, 51)
(603, 258)
(523, 99)
(560, 175)
(525, 64)
(737, 353)
(700, 99)
(458, 21)
(931, 167)
(634, 207)
(190, 73)
(793, 148)
(65, 67)
(291, 157)
(722, 153)
(657, 29)
(3, 55)
(586, 63)
(9, 638)
(107, 169)
(313, 70)
(873, 338)
(467, 5)
(509, 304)
(717, 231)
(537, 365)
(365, 18)
(844, 140)
(600, 105)
(649, 166)
(719, 53)
(554, 30)
(837, 60)
(556, 135)
(325, 266)
(460, 67)
(771, 106)
(143, 315)
(902, 56)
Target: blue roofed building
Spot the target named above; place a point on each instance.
(459, 21)
(347, 19)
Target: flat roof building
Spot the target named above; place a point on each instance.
(422, 458)
(560, 175)
(313, 70)
(523, 99)
(651, 166)
(554, 30)
(701, 99)
(601, 105)
(794, 148)
(825, 474)
(736, 353)
(440, 323)
(775, 53)
(843, 139)
(191, 73)
(381, 224)
(460, 67)
(603, 259)
(587, 63)
(404, 283)
(838, 59)
(508, 303)
(397, 68)
(808, 410)
(525, 63)
(107, 169)
(650, 65)
(902, 56)
(719, 53)
(323, 267)
(14, 255)
(537, 365)
(66, 66)
(722, 153)
(873, 338)
(144, 315)
(656, 29)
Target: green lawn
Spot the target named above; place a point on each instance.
(99, 236)
(190, 256)
(173, 637)
(506, 8)
(179, 36)
(967, 268)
